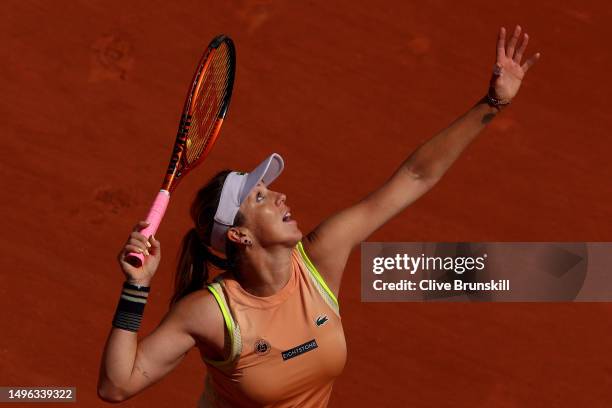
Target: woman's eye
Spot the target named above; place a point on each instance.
(259, 197)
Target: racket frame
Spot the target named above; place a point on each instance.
(178, 167)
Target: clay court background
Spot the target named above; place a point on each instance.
(91, 94)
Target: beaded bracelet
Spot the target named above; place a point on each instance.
(130, 309)
(492, 101)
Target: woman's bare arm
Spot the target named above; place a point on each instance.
(129, 366)
(329, 245)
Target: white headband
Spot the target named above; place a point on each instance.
(236, 188)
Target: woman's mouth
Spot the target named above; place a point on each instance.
(287, 217)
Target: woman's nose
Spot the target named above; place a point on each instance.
(281, 198)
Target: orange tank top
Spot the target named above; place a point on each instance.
(285, 350)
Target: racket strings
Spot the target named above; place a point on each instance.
(208, 105)
(212, 91)
(205, 118)
(222, 71)
(211, 96)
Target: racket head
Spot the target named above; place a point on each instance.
(206, 105)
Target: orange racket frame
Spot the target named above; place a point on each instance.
(179, 164)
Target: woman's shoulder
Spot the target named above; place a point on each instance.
(201, 314)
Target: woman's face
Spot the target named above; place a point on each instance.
(268, 218)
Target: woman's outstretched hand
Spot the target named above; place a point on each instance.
(508, 72)
(151, 250)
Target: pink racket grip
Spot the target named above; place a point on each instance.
(156, 213)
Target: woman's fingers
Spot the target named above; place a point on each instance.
(141, 225)
(155, 245)
(140, 237)
(530, 61)
(139, 244)
(519, 53)
(135, 248)
(513, 40)
(128, 248)
(501, 43)
(510, 52)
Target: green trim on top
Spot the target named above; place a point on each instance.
(228, 322)
(315, 272)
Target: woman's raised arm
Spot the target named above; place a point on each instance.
(330, 243)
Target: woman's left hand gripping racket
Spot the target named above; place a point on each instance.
(205, 108)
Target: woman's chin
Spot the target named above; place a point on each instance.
(298, 235)
(292, 231)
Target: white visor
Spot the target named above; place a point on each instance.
(236, 188)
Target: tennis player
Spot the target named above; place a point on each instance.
(268, 328)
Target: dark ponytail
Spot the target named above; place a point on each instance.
(192, 271)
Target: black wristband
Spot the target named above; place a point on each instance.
(130, 309)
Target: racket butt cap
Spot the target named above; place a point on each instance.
(135, 259)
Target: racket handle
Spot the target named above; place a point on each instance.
(156, 213)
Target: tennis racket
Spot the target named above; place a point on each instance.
(205, 107)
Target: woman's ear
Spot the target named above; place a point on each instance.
(239, 235)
